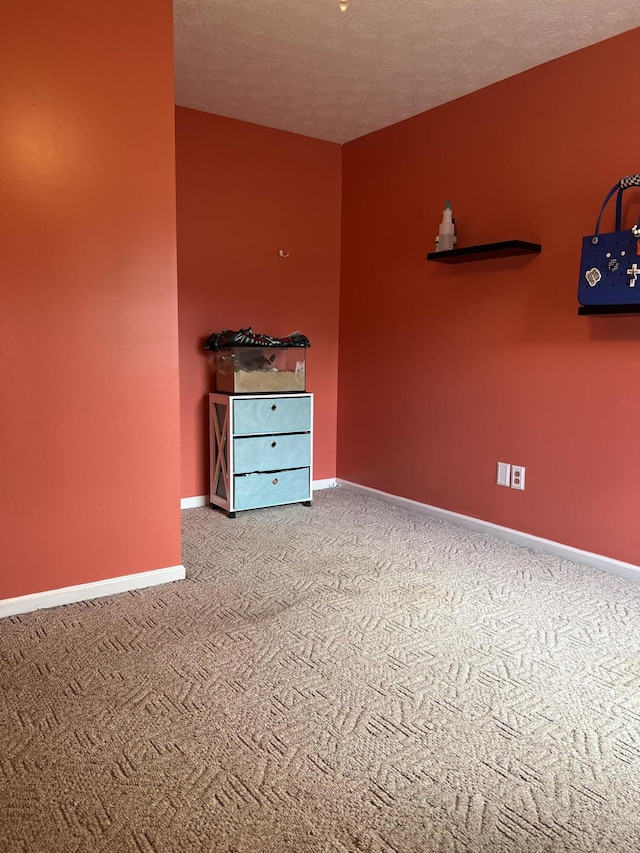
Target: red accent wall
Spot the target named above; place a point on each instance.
(245, 192)
(446, 370)
(89, 420)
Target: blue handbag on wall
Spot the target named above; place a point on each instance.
(610, 263)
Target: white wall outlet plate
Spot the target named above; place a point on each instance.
(504, 474)
(517, 477)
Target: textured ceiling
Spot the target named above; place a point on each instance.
(306, 67)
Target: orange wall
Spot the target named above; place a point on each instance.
(89, 420)
(245, 192)
(444, 371)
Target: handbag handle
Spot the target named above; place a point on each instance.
(622, 185)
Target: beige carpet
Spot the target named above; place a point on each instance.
(350, 677)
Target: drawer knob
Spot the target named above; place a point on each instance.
(275, 481)
(273, 443)
(274, 407)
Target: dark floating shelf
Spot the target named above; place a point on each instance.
(595, 310)
(486, 252)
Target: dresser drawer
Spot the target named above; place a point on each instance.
(271, 452)
(271, 415)
(277, 487)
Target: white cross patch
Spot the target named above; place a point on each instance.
(634, 272)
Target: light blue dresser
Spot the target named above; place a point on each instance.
(260, 450)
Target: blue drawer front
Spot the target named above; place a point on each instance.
(271, 415)
(278, 487)
(271, 452)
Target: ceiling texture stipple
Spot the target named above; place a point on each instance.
(305, 66)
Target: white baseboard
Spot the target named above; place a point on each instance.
(517, 537)
(190, 503)
(86, 591)
(203, 500)
(317, 485)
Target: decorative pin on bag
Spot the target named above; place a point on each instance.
(610, 263)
